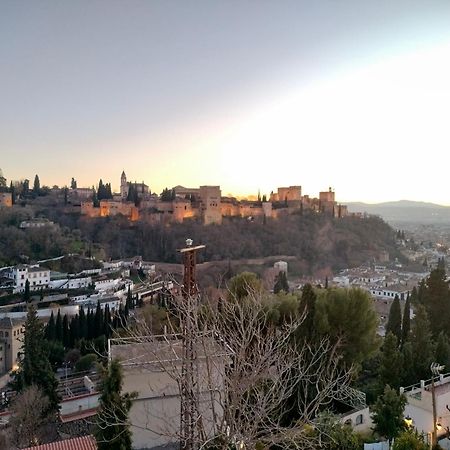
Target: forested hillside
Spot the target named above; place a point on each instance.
(317, 241)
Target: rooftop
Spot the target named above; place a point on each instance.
(78, 443)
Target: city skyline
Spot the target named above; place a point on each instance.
(247, 96)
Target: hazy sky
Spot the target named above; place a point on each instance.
(353, 94)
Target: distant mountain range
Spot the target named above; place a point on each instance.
(405, 211)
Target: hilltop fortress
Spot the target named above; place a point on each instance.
(136, 201)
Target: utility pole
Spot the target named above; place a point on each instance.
(190, 419)
(435, 370)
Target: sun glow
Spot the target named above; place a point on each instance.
(370, 125)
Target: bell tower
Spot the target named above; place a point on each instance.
(123, 186)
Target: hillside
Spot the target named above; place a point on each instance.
(317, 244)
(405, 211)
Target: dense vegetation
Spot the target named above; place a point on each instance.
(318, 241)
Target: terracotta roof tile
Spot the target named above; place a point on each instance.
(78, 443)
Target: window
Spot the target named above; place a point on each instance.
(6, 334)
(359, 419)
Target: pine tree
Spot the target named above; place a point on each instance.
(391, 362)
(114, 434)
(394, 324)
(35, 367)
(406, 321)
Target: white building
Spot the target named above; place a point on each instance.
(38, 277)
(419, 406)
(70, 283)
(36, 223)
(151, 369)
(385, 293)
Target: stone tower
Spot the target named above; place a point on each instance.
(123, 186)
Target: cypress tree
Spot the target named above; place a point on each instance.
(437, 301)
(129, 301)
(83, 325)
(391, 362)
(408, 372)
(26, 292)
(422, 344)
(394, 324)
(121, 316)
(113, 403)
(65, 331)
(90, 324)
(406, 321)
(35, 367)
(12, 189)
(98, 320)
(388, 413)
(107, 322)
(126, 311)
(50, 330)
(307, 306)
(281, 283)
(443, 350)
(74, 331)
(36, 185)
(421, 292)
(59, 327)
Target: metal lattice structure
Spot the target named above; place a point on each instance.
(190, 420)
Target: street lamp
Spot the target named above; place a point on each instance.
(436, 368)
(408, 422)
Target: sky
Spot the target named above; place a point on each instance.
(248, 95)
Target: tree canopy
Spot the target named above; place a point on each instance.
(349, 318)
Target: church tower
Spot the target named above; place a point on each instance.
(123, 186)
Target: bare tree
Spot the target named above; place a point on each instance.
(30, 420)
(238, 375)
